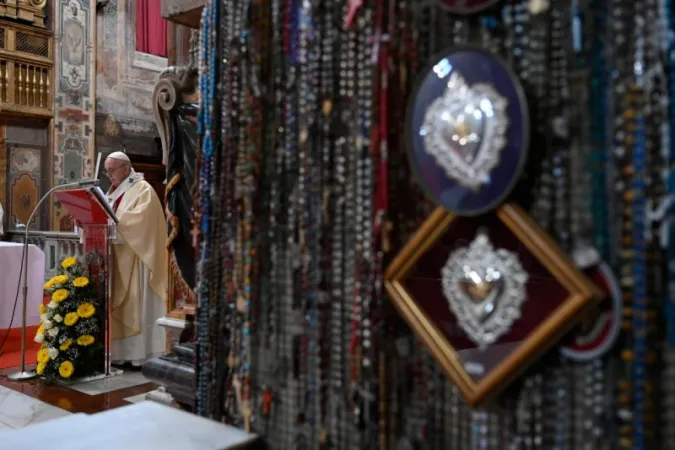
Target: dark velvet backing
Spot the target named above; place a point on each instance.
(544, 292)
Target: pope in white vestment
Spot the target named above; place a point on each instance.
(140, 265)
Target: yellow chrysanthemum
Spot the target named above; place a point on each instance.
(66, 369)
(86, 310)
(40, 330)
(60, 295)
(42, 309)
(43, 356)
(71, 319)
(85, 339)
(69, 262)
(81, 281)
(59, 279)
(40, 368)
(66, 345)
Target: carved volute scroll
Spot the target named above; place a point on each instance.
(176, 85)
(39, 4)
(165, 97)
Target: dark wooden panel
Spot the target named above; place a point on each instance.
(155, 175)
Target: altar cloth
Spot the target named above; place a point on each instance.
(10, 268)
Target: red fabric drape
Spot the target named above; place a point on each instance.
(150, 28)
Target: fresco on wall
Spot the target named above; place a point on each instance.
(74, 57)
(73, 112)
(124, 91)
(73, 46)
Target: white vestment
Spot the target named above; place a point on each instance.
(151, 341)
(140, 272)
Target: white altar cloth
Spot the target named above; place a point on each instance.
(10, 267)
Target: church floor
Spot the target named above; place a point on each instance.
(29, 402)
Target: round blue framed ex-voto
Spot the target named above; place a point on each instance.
(467, 130)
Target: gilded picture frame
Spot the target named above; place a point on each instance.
(577, 293)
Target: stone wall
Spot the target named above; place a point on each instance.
(125, 80)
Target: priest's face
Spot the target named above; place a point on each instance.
(117, 171)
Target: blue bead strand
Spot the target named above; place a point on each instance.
(599, 94)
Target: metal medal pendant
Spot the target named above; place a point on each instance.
(464, 131)
(467, 130)
(485, 288)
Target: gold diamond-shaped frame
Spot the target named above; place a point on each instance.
(582, 293)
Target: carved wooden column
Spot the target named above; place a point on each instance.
(176, 87)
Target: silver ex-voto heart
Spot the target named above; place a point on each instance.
(465, 131)
(485, 288)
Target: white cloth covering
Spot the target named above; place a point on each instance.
(152, 340)
(10, 268)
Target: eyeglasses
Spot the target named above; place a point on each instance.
(110, 172)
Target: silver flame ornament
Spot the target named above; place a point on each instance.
(465, 131)
(485, 289)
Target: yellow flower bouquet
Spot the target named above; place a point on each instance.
(70, 331)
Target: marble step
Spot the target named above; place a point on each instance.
(141, 426)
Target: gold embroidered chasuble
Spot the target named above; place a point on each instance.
(143, 232)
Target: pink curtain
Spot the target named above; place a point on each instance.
(150, 28)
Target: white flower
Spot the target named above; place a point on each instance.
(39, 338)
(53, 352)
(43, 317)
(53, 331)
(48, 324)
(52, 304)
(58, 318)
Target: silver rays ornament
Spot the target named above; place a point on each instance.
(465, 131)
(485, 289)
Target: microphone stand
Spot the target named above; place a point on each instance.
(23, 374)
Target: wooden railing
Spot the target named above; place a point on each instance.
(26, 70)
